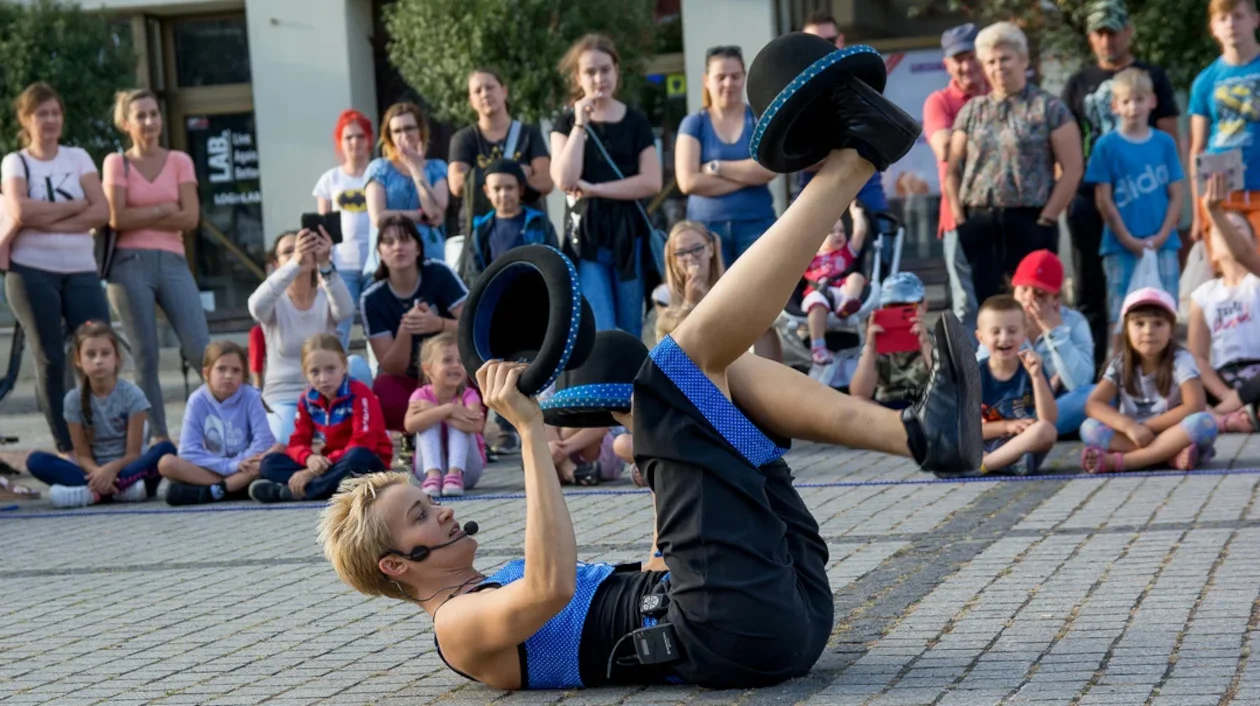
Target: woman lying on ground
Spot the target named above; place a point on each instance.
(746, 601)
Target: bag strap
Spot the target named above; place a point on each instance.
(513, 136)
(600, 145)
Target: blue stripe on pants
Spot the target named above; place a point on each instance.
(55, 470)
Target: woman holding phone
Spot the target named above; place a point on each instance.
(303, 296)
(152, 194)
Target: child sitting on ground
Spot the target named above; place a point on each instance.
(348, 416)
(447, 417)
(1017, 404)
(224, 436)
(895, 379)
(107, 419)
(832, 287)
(1160, 415)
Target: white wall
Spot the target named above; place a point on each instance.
(748, 24)
(308, 63)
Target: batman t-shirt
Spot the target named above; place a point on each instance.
(346, 193)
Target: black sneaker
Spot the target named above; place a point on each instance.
(943, 426)
(508, 443)
(269, 491)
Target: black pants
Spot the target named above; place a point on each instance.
(995, 240)
(749, 596)
(49, 305)
(279, 467)
(1086, 226)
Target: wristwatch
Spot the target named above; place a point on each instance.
(332, 267)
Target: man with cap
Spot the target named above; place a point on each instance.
(508, 226)
(966, 80)
(1088, 95)
(1059, 334)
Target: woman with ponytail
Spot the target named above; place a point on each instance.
(152, 193)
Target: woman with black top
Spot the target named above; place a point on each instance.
(746, 601)
(495, 135)
(604, 230)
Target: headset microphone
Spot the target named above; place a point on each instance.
(422, 553)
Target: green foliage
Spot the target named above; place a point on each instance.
(79, 53)
(434, 44)
(1172, 34)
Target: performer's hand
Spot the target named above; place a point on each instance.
(498, 381)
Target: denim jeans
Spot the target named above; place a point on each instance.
(1072, 409)
(616, 303)
(281, 416)
(49, 305)
(140, 281)
(962, 293)
(279, 467)
(55, 470)
(355, 282)
(738, 236)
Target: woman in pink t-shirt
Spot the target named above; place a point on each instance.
(152, 193)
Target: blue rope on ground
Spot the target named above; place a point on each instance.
(255, 507)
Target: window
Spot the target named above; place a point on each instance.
(211, 51)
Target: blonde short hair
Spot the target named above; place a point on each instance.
(1134, 82)
(999, 34)
(354, 537)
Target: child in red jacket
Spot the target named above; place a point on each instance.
(342, 410)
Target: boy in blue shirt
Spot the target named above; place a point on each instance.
(1017, 405)
(1225, 107)
(509, 225)
(1139, 187)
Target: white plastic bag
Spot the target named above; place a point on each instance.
(1197, 271)
(1146, 274)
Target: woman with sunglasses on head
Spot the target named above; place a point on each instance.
(726, 187)
(53, 195)
(605, 231)
(404, 182)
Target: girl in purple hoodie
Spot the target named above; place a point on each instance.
(225, 434)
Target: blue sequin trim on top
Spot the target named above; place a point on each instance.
(790, 90)
(481, 322)
(721, 413)
(551, 654)
(615, 396)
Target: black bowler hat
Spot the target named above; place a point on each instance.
(791, 86)
(587, 396)
(528, 307)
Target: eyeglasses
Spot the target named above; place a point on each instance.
(691, 252)
(726, 50)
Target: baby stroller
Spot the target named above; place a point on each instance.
(879, 258)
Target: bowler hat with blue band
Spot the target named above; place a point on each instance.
(527, 307)
(811, 98)
(586, 396)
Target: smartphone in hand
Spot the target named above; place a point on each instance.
(331, 222)
(896, 322)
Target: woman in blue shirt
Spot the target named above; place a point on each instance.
(727, 188)
(403, 182)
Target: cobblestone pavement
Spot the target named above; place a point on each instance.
(1126, 590)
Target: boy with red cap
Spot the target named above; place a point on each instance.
(1059, 334)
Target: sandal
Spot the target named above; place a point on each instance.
(10, 490)
(1095, 460)
(1187, 459)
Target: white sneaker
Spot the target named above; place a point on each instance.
(70, 496)
(133, 494)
